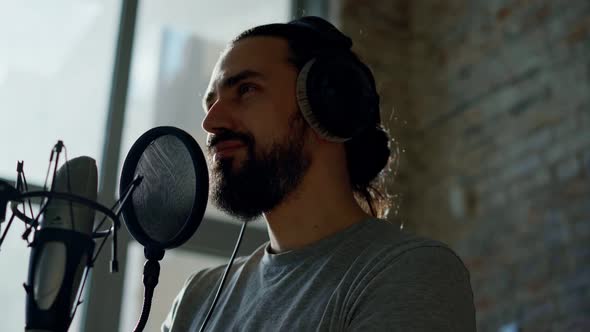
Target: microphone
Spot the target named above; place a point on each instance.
(61, 249)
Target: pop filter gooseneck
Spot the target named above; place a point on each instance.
(168, 205)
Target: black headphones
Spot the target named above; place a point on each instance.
(336, 92)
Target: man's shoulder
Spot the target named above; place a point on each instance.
(414, 277)
(385, 243)
(383, 234)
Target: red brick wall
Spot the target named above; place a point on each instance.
(490, 103)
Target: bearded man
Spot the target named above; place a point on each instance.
(294, 135)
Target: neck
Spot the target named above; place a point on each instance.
(316, 210)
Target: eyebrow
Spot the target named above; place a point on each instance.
(229, 82)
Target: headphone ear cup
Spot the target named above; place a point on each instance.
(337, 97)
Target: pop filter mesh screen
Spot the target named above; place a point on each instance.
(164, 199)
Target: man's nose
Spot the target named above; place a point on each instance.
(219, 117)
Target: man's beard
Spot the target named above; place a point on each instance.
(264, 179)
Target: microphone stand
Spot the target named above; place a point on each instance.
(151, 273)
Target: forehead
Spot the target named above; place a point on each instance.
(266, 55)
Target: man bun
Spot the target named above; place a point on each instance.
(368, 153)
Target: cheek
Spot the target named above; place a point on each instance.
(270, 124)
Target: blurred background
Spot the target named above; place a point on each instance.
(488, 103)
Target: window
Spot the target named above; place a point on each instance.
(55, 76)
(177, 44)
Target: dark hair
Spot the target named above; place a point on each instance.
(368, 153)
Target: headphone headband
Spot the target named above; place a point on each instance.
(326, 31)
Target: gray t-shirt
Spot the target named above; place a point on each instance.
(369, 277)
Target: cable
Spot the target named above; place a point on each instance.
(231, 262)
(151, 273)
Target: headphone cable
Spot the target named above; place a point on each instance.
(231, 262)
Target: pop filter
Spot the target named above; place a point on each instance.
(168, 201)
(167, 206)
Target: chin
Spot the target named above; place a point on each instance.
(222, 166)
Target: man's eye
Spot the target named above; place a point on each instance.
(246, 88)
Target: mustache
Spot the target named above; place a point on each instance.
(227, 135)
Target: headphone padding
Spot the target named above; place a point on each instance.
(337, 97)
(305, 105)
